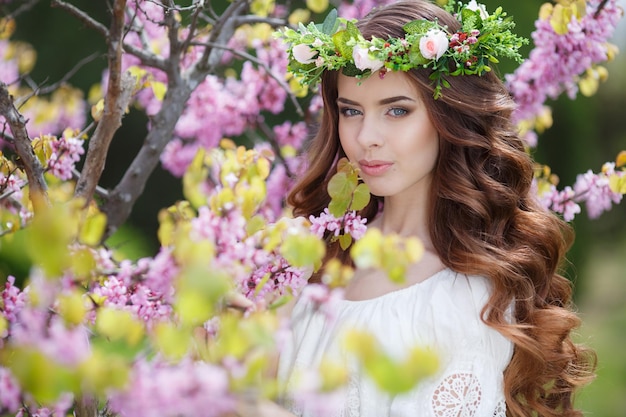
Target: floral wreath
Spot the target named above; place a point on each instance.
(337, 44)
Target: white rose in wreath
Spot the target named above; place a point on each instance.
(433, 44)
(363, 61)
(473, 6)
(303, 53)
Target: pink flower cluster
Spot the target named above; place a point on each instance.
(37, 327)
(351, 223)
(188, 388)
(13, 301)
(591, 189)
(218, 107)
(145, 288)
(243, 256)
(9, 72)
(66, 152)
(557, 60)
(358, 9)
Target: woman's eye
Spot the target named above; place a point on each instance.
(398, 111)
(347, 111)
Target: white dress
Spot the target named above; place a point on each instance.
(442, 313)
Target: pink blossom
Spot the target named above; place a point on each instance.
(186, 389)
(351, 223)
(556, 61)
(177, 156)
(563, 202)
(66, 152)
(13, 300)
(9, 391)
(358, 9)
(292, 134)
(594, 190)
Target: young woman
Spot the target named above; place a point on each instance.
(443, 163)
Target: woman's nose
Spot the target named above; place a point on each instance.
(369, 134)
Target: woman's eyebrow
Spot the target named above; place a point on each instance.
(387, 100)
(394, 99)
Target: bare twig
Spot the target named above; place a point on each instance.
(252, 19)
(37, 90)
(23, 8)
(192, 27)
(38, 190)
(600, 7)
(86, 406)
(271, 138)
(223, 30)
(118, 96)
(99, 191)
(82, 16)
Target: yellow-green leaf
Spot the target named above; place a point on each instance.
(71, 307)
(92, 229)
(82, 263)
(361, 197)
(39, 375)
(174, 342)
(620, 161)
(560, 18)
(119, 325)
(345, 241)
(103, 370)
(317, 6)
(159, 89)
(617, 184)
(302, 250)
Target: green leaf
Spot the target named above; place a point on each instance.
(392, 376)
(417, 26)
(93, 228)
(350, 70)
(301, 251)
(330, 24)
(340, 40)
(360, 197)
(340, 189)
(174, 342)
(338, 207)
(345, 241)
(416, 56)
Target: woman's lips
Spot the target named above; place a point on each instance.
(374, 168)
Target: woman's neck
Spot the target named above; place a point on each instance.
(405, 217)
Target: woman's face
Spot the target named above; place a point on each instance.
(384, 129)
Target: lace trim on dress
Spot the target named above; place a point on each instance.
(458, 395)
(500, 409)
(353, 400)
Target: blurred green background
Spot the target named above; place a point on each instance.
(587, 132)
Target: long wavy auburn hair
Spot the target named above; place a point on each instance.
(485, 220)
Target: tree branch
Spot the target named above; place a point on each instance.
(82, 16)
(38, 189)
(119, 93)
(223, 30)
(122, 198)
(37, 90)
(24, 7)
(600, 7)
